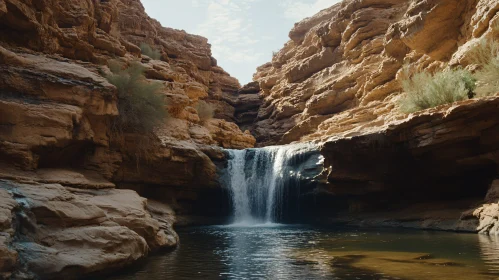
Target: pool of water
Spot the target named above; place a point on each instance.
(303, 252)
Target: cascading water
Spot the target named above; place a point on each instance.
(261, 180)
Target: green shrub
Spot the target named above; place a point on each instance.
(483, 52)
(205, 110)
(486, 55)
(140, 105)
(488, 78)
(427, 91)
(150, 52)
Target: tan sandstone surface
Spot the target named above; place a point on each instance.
(61, 215)
(65, 223)
(340, 70)
(337, 83)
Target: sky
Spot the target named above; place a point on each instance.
(243, 33)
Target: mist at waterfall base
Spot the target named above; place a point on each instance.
(264, 184)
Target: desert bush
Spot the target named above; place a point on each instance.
(488, 78)
(205, 110)
(486, 55)
(483, 52)
(140, 105)
(150, 52)
(424, 90)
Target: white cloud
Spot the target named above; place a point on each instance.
(229, 30)
(196, 3)
(298, 10)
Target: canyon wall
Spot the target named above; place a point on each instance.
(341, 69)
(337, 82)
(71, 191)
(64, 208)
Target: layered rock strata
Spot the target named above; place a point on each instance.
(342, 67)
(60, 213)
(67, 223)
(428, 171)
(247, 105)
(337, 82)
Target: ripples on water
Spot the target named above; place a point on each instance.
(273, 251)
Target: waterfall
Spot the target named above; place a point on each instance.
(261, 181)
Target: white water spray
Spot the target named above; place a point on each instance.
(257, 179)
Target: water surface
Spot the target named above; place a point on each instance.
(303, 252)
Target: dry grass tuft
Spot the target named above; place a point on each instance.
(140, 104)
(425, 90)
(150, 52)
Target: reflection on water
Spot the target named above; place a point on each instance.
(489, 251)
(300, 252)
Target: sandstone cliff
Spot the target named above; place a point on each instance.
(337, 82)
(65, 179)
(61, 213)
(348, 58)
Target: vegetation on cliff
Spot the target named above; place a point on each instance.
(425, 90)
(140, 105)
(489, 78)
(486, 54)
(149, 51)
(205, 110)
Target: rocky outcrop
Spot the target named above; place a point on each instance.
(348, 58)
(8, 257)
(428, 171)
(488, 214)
(63, 223)
(66, 51)
(337, 83)
(60, 161)
(247, 106)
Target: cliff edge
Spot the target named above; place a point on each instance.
(338, 82)
(66, 210)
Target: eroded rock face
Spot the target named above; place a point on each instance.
(428, 171)
(60, 158)
(348, 58)
(64, 231)
(57, 107)
(247, 105)
(337, 82)
(8, 257)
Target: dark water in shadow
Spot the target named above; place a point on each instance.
(302, 252)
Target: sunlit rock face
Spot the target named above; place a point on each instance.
(57, 107)
(56, 110)
(337, 82)
(338, 75)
